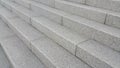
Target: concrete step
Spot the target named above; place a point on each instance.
(54, 55)
(16, 54)
(81, 10)
(92, 13)
(21, 27)
(68, 39)
(4, 62)
(110, 18)
(113, 5)
(47, 50)
(19, 55)
(24, 4)
(91, 52)
(104, 64)
(5, 5)
(97, 55)
(44, 12)
(20, 11)
(4, 33)
(77, 1)
(4, 30)
(50, 3)
(104, 34)
(63, 36)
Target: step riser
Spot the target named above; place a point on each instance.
(42, 57)
(113, 5)
(49, 14)
(6, 5)
(97, 55)
(81, 11)
(46, 2)
(22, 15)
(90, 59)
(79, 28)
(77, 1)
(21, 2)
(106, 4)
(23, 38)
(113, 20)
(5, 62)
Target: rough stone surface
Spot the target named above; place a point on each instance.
(4, 30)
(106, 4)
(4, 62)
(81, 10)
(77, 1)
(97, 55)
(55, 56)
(19, 55)
(113, 20)
(60, 34)
(68, 25)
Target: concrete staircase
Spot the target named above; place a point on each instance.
(60, 33)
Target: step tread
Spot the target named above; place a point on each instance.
(26, 29)
(101, 52)
(21, 2)
(3, 10)
(56, 55)
(81, 10)
(4, 62)
(112, 5)
(19, 54)
(4, 30)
